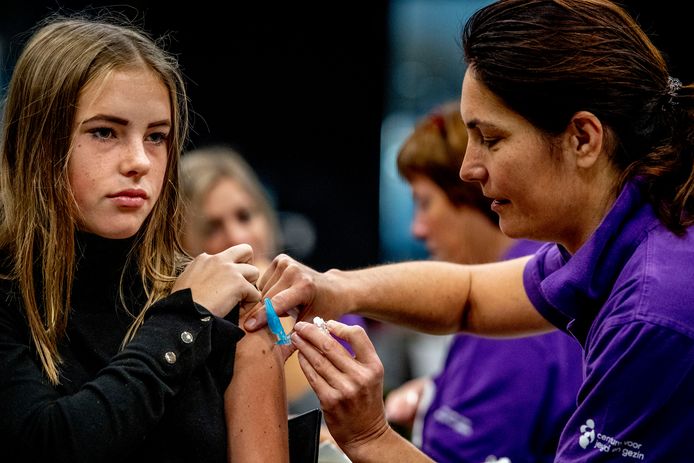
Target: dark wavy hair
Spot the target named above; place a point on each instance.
(548, 59)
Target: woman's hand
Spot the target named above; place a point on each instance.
(220, 281)
(350, 389)
(402, 403)
(284, 351)
(297, 290)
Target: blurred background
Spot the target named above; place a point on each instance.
(318, 98)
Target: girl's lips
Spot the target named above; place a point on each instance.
(128, 201)
(131, 198)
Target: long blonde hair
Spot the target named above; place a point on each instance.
(38, 215)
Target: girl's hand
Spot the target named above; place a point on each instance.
(220, 281)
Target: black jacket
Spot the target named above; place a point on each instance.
(158, 399)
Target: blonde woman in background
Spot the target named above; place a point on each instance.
(226, 205)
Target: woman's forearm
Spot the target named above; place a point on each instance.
(427, 296)
(440, 297)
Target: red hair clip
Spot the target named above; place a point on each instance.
(439, 122)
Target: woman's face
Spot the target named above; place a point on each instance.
(535, 187)
(118, 161)
(451, 233)
(228, 216)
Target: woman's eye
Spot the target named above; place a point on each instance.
(210, 228)
(422, 203)
(489, 141)
(244, 216)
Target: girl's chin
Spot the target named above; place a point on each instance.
(111, 233)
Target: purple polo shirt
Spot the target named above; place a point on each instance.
(507, 398)
(628, 296)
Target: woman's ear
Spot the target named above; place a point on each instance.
(585, 138)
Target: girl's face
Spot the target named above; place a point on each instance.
(230, 216)
(118, 162)
(450, 233)
(535, 186)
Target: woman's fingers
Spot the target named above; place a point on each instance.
(364, 350)
(333, 362)
(317, 382)
(350, 391)
(290, 286)
(321, 367)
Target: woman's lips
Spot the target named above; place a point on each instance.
(499, 203)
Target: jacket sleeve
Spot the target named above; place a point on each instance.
(113, 412)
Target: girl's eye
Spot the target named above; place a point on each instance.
(158, 137)
(102, 133)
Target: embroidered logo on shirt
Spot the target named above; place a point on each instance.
(608, 444)
(493, 459)
(454, 420)
(587, 434)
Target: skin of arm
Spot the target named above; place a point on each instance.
(434, 297)
(350, 390)
(255, 401)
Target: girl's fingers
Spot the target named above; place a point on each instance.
(249, 272)
(241, 253)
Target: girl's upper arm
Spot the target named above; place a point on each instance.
(255, 401)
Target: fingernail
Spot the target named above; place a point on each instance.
(298, 326)
(250, 323)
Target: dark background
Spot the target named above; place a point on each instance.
(299, 91)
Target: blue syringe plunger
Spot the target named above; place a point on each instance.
(273, 322)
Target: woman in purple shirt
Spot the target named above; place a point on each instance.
(503, 398)
(583, 139)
